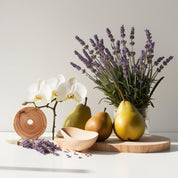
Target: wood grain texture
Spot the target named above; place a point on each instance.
(30, 130)
(147, 144)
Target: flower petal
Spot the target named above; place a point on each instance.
(62, 91)
(80, 92)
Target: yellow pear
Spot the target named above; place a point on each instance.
(129, 124)
(101, 123)
(78, 117)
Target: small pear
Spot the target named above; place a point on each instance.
(100, 123)
(78, 117)
(129, 124)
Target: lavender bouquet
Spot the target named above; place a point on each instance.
(117, 67)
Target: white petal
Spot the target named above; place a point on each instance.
(72, 80)
(80, 92)
(46, 93)
(52, 82)
(62, 91)
(34, 90)
(61, 79)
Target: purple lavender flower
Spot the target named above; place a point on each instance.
(110, 34)
(151, 47)
(123, 42)
(122, 30)
(80, 40)
(142, 56)
(75, 66)
(92, 43)
(148, 35)
(87, 56)
(132, 33)
(132, 53)
(135, 69)
(158, 60)
(169, 59)
(81, 57)
(40, 145)
(96, 38)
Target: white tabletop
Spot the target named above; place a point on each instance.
(16, 161)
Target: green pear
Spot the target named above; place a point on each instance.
(78, 117)
(129, 124)
(101, 123)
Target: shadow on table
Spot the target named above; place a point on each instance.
(12, 168)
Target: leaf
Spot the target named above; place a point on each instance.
(155, 86)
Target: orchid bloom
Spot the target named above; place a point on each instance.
(54, 83)
(38, 91)
(45, 90)
(71, 89)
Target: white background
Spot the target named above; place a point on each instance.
(37, 40)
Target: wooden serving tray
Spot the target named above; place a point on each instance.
(147, 144)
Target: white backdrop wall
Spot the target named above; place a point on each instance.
(37, 41)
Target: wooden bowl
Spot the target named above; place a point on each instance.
(76, 139)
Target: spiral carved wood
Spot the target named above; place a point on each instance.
(30, 122)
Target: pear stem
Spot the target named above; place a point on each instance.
(85, 101)
(121, 94)
(104, 109)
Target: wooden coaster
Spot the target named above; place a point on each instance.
(30, 122)
(147, 144)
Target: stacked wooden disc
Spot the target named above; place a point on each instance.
(30, 122)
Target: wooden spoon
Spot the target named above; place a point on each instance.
(76, 139)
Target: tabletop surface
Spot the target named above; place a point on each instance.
(16, 161)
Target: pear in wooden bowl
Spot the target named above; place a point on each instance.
(76, 139)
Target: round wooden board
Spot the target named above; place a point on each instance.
(147, 144)
(30, 122)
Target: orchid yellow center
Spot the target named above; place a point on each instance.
(70, 96)
(54, 93)
(37, 97)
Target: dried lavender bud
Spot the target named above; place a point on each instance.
(122, 31)
(81, 57)
(80, 40)
(132, 53)
(110, 34)
(75, 66)
(92, 43)
(123, 42)
(132, 43)
(96, 38)
(135, 70)
(87, 56)
(132, 33)
(142, 56)
(148, 35)
(40, 145)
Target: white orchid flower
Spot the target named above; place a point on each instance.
(38, 91)
(54, 83)
(71, 89)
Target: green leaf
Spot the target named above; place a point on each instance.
(155, 86)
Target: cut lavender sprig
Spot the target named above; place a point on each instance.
(40, 145)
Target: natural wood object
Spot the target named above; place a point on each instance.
(147, 144)
(76, 139)
(30, 122)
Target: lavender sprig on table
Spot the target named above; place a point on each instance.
(40, 145)
(118, 66)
